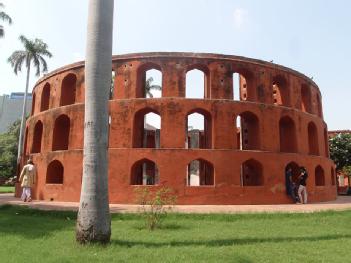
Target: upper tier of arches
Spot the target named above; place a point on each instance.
(223, 77)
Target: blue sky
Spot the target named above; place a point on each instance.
(313, 37)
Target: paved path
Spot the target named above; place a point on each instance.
(342, 203)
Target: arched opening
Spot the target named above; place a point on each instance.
(33, 104)
(147, 129)
(45, 98)
(248, 133)
(68, 90)
(319, 105)
(326, 142)
(287, 135)
(305, 98)
(144, 172)
(240, 91)
(251, 173)
(313, 139)
(332, 175)
(60, 137)
(319, 176)
(198, 130)
(295, 169)
(280, 91)
(197, 82)
(149, 81)
(54, 173)
(200, 172)
(38, 132)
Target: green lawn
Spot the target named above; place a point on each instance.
(28, 235)
(7, 189)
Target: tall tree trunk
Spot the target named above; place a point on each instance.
(94, 222)
(23, 121)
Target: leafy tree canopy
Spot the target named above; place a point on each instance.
(8, 150)
(340, 150)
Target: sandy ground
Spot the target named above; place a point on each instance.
(341, 203)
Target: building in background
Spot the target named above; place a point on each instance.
(11, 108)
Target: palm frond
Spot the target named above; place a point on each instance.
(43, 63)
(16, 60)
(5, 17)
(37, 65)
(155, 87)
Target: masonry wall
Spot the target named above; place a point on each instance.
(282, 124)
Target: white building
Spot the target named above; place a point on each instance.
(11, 108)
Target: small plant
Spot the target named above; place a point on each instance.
(155, 204)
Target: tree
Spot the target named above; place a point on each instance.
(94, 221)
(34, 52)
(340, 150)
(6, 18)
(8, 150)
(149, 87)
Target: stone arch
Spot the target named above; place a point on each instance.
(141, 77)
(55, 173)
(332, 176)
(33, 103)
(45, 97)
(319, 176)
(295, 170)
(200, 137)
(281, 95)
(37, 137)
(60, 138)
(68, 90)
(242, 85)
(312, 139)
(146, 135)
(287, 135)
(195, 69)
(200, 172)
(248, 131)
(252, 173)
(305, 98)
(144, 172)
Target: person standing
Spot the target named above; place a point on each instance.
(302, 185)
(289, 184)
(27, 179)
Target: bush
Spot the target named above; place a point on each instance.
(155, 204)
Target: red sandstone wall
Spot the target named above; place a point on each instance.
(172, 158)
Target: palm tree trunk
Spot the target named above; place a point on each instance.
(94, 222)
(23, 121)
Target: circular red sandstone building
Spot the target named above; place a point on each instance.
(250, 133)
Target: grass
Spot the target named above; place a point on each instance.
(28, 235)
(7, 189)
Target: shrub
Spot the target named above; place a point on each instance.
(155, 204)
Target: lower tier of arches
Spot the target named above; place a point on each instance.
(198, 176)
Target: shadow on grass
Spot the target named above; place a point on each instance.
(31, 223)
(228, 242)
(164, 226)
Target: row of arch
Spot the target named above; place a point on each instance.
(247, 133)
(242, 83)
(68, 93)
(200, 172)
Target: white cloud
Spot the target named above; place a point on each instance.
(240, 17)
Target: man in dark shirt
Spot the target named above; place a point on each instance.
(289, 184)
(302, 185)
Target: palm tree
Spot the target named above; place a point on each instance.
(149, 87)
(94, 222)
(4, 17)
(33, 53)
